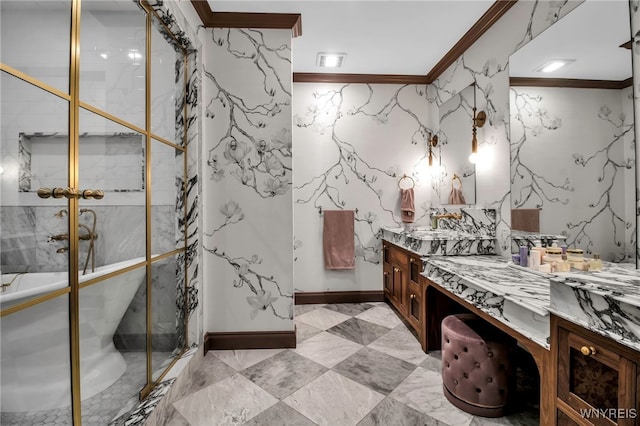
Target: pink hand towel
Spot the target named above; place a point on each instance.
(456, 196)
(338, 239)
(407, 207)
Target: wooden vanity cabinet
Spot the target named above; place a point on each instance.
(403, 286)
(596, 378)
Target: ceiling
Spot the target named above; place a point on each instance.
(595, 48)
(410, 37)
(379, 37)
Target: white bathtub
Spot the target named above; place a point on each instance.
(34, 349)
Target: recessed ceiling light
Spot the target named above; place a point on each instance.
(554, 64)
(330, 60)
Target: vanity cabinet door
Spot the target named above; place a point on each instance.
(415, 308)
(415, 269)
(387, 280)
(596, 382)
(399, 288)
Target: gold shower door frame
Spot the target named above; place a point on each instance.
(73, 202)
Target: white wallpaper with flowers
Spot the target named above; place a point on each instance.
(247, 179)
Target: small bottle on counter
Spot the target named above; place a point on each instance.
(553, 254)
(534, 259)
(524, 252)
(563, 265)
(595, 264)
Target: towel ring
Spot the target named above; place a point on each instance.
(413, 182)
(456, 177)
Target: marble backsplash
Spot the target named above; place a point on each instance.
(481, 222)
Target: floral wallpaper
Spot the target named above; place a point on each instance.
(573, 156)
(247, 168)
(353, 143)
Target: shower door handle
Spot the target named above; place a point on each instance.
(96, 194)
(57, 193)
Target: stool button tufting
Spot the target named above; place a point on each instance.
(490, 354)
(478, 390)
(476, 364)
(455, 382)
(466, 376)
(455, 356)
(465, 349)
(489, 379)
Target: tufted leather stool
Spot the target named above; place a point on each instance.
(476, 367)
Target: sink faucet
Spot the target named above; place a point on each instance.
(436, 217)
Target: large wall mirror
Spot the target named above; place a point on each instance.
(456, 182)
(572, 132)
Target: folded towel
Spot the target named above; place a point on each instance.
(338, 239)
(527, 220)
(456, 196)
(407, 206)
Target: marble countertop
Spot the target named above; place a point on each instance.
(428, 234)
(516, 296)
(536, 236)
(606, 302)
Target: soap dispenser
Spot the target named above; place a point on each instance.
(595, 264)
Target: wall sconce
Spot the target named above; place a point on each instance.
(433, 142)
(478, 121)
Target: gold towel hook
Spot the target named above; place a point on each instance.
(413, 182)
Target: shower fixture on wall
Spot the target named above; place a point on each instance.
(478, 121)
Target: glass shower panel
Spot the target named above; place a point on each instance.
(112, 215)
(36, 368)
(42, 48)
(112, 58)
(34, 231)
(113, 357)
(167, 334)
(167, 85)
(166, 197)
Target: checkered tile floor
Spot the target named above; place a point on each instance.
(355, 364)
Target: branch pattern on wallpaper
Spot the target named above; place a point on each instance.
(264, 166)
(534, 185)
(349, 167)
(266, 290)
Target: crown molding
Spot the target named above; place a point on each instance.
(570, 82)
(497, 9)
(211, 19)
(311, 77)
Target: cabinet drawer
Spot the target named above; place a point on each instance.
(398, 257)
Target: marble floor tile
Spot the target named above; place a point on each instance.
(284, 373)
(232, 401)
(351, 309)
(303, 309)
(391, 412)
(422, 391)
(241, 359)
(518, 419)
(359, 331)
(322, 318)
(172, 417)
(327, 349)
(400, 344)
(280, 415)
(333, 399)
(305, 331)
(376, 370)
(381, 315)
(209, 371)
(433, 362)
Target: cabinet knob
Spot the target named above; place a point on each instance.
(413, 296)
(412, 260)
(385, 273)
(396, 270)
(588, 350)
